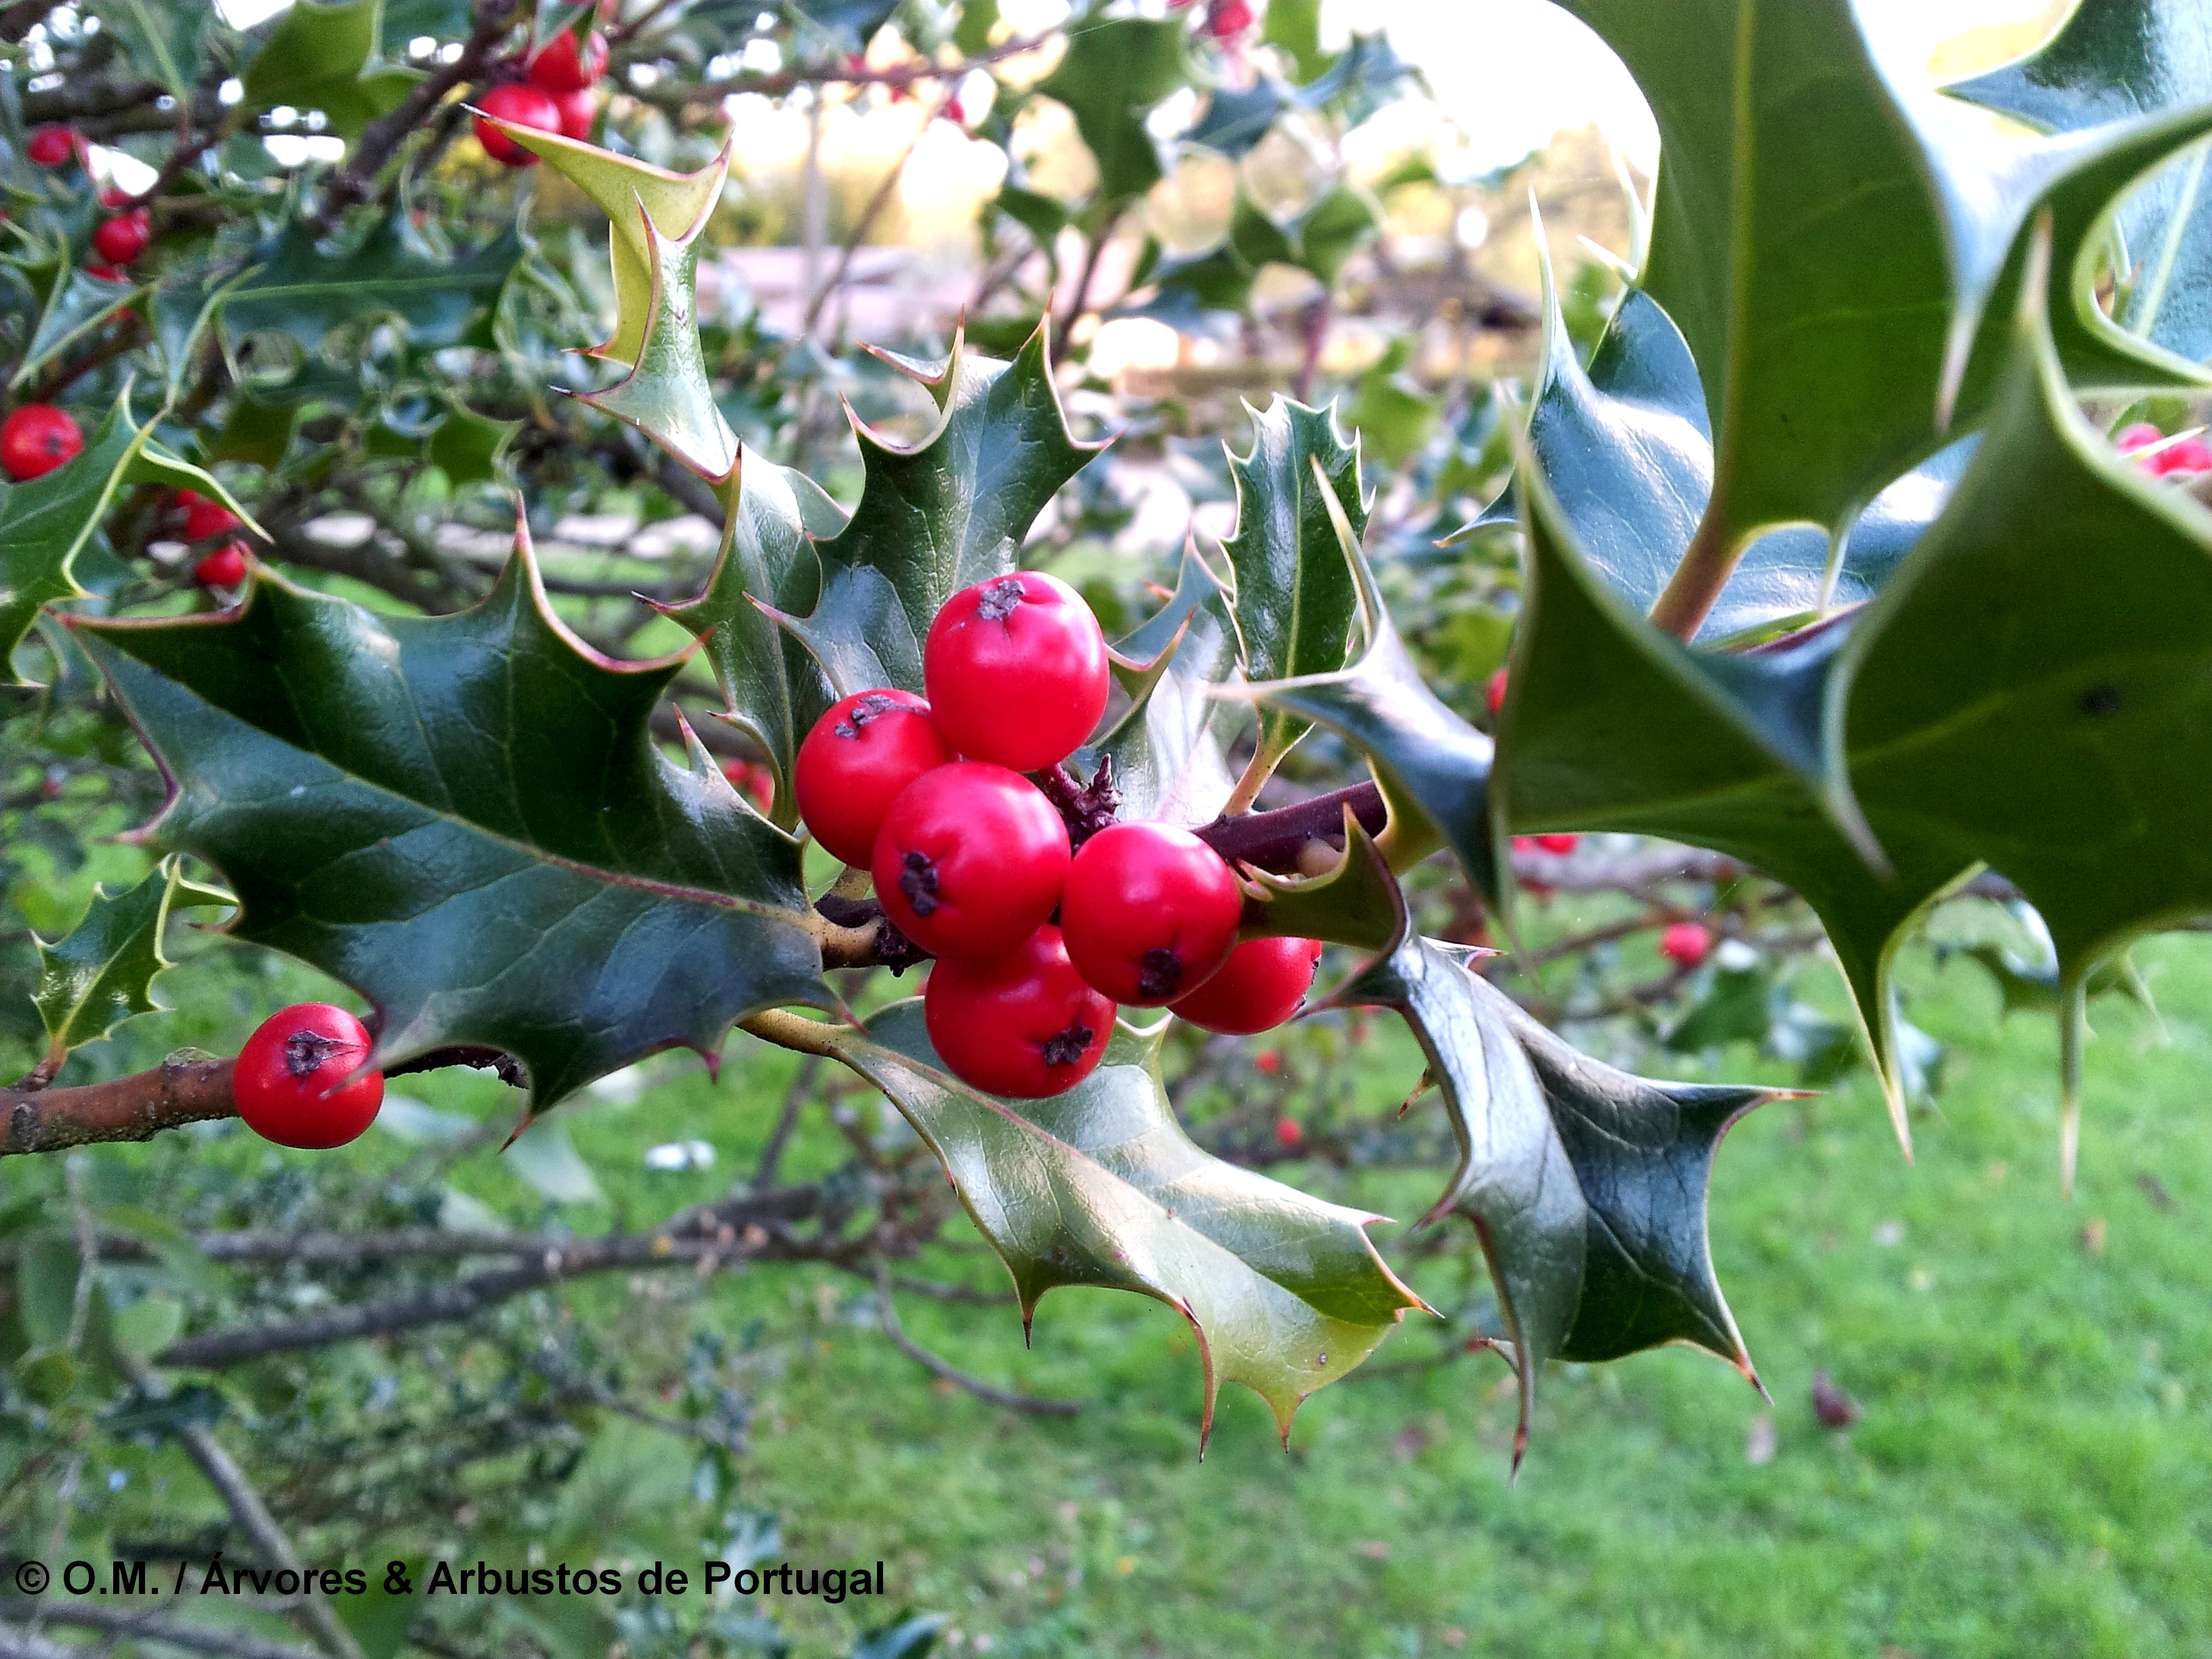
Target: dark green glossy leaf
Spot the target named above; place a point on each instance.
(300, 291)
(767, 560)
(325, 57)
(1294, 586)
(1100, 1186)
(1586, 1186)
(1120, 70)
(164, 39)
(77, 304)
(1357, 903)
(102, 971)
(465, 818)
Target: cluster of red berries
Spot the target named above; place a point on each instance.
(121, 238)
(201, 520)
(2187, 456)
(295, 1081)
(558, 93)
(1037, 938)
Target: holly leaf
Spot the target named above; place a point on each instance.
(77, 304)
(2110, 63)
(1586, 1186)
(47, 522)
(1124, 67)
(299, 290)
(1293, 582)
(325, 57)
(465, 818)
(101, 972)
(1100, 1187)
(935, 517)
(1356, 903)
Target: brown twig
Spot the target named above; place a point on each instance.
(1029, 1404)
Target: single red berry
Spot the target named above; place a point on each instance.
(560, 67)
(1024, 1025)
(2188, 457)
(1268, 1062)
(1016, 671)
(36, 439)
(2139, 434)
(1227, 19)
(50, 146)
(1687, 943)
(224, 568)
(750, 779)
(971, 861)
(1150, 912)
(1494, 695)
(1560, 844)
(291, 1078)
(106, 273)
(857, 760)
(518, 106)
(957, 112)
(1290, 1133)
(1258, 988)
(204, 517)
(114, 196)
(580, 113)
(124, 238)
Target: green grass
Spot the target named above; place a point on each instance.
(2032, 1474)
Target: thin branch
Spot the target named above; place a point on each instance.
(1029, 1404)
(135, 1107)
(794, 1098)
(146, 1627)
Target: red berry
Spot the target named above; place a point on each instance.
(1290, 1133)
(755, 781)
(858, 759)
(559, 67)
(2189, 456)
(2138, 435)
(1016, 671)
(1268, 1062)
(971, 861)
(580, 113)
(1024, 1025)
(955, 112)
(224, 568)
(1150, 912)
(114, 196)
(204, 517)
(518, 106)
(1687, 943)
(290, 1080)
(50, 146)
(124, 238)
(36, 439)
(1560, 844)
(1495, 694)
(1227, 19)
(1258, 988)
(108, 273)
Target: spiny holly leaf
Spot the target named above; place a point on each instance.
(1586, 1186)
(1294, 593)
(1115, 74)
(2109, 62)
(1628, 455)
(1357, 903)
(1426, 758)
(1170, 749)
(102, 971)
(46, 522)
(1825, 371)
(77, 304)
(1100, 1186)
(667, 394)
(673, 205)
(2072, 753)
(950, 511)
(324, 57)
(465, 818)
(299, 290)
(767, 559)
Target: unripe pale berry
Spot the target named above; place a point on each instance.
(290, 1080)
(971, 861)
(1024, 1025)
(224, 568)
(36, 439)
(1150, 912)
(1686, 942)
(1259, 987)
(858, 759)
(519, 105)
(559, 67)
(1016, 671)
